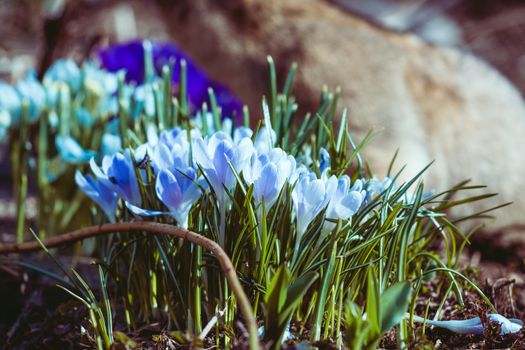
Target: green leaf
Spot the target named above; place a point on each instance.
(394, 303)
(282, 300)
(276, 294)
(296, 292)
(356, 329)
(372, 301)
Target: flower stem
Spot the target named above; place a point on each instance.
(222, 225)
(156, 228)
(21, 194)
(42, 179)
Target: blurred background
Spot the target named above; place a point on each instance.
(35, 32)
(492, 29)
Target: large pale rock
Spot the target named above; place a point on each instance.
(433, 103)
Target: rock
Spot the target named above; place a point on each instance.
(87, 24)
(428, 20)
(20, 37)
(433, 103)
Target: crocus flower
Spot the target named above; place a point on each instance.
(130, 57)
(325, 162)
(213, 157)
(176, 183)
(9, 102)
(103, 85)
(264, 140)
(5, 123)
(29, 89)
(118, 173)
(99, 80)
(65, 71)
(111, 144)
(178, 192)
(99, 192)
(375, 187)
(71, 152)
(268, 173)
(85, 118)
(240, 133)
(145, 99)
(169, 150)
(343, 201)
(474, 325)
(309, 199)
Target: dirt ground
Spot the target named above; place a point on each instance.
(37, 314)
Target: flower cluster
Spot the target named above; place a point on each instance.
(77, 99)
(186, 164)
(73, 100)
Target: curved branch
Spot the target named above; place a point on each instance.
(155, 228)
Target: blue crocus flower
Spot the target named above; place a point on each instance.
(169, 150)
(117, 172)
(343, 201)
(99, 192)
(29, 89)
(325, 162)
(178, 192)
(71, 152)
(5, 123)
(85, 118)
(130, 57)
(9, 102)
(214, 156)
(144, 99)
(375, 187)
(111, 144)
(309, 199)
(122, 174)
(264, 140)
(103, 85)
(268, 172)
(176, 182)
(65, 71)
(99, 80)
(9, 108)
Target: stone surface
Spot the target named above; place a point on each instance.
(433, 103)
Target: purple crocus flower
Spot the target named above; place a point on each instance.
(130, 56)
